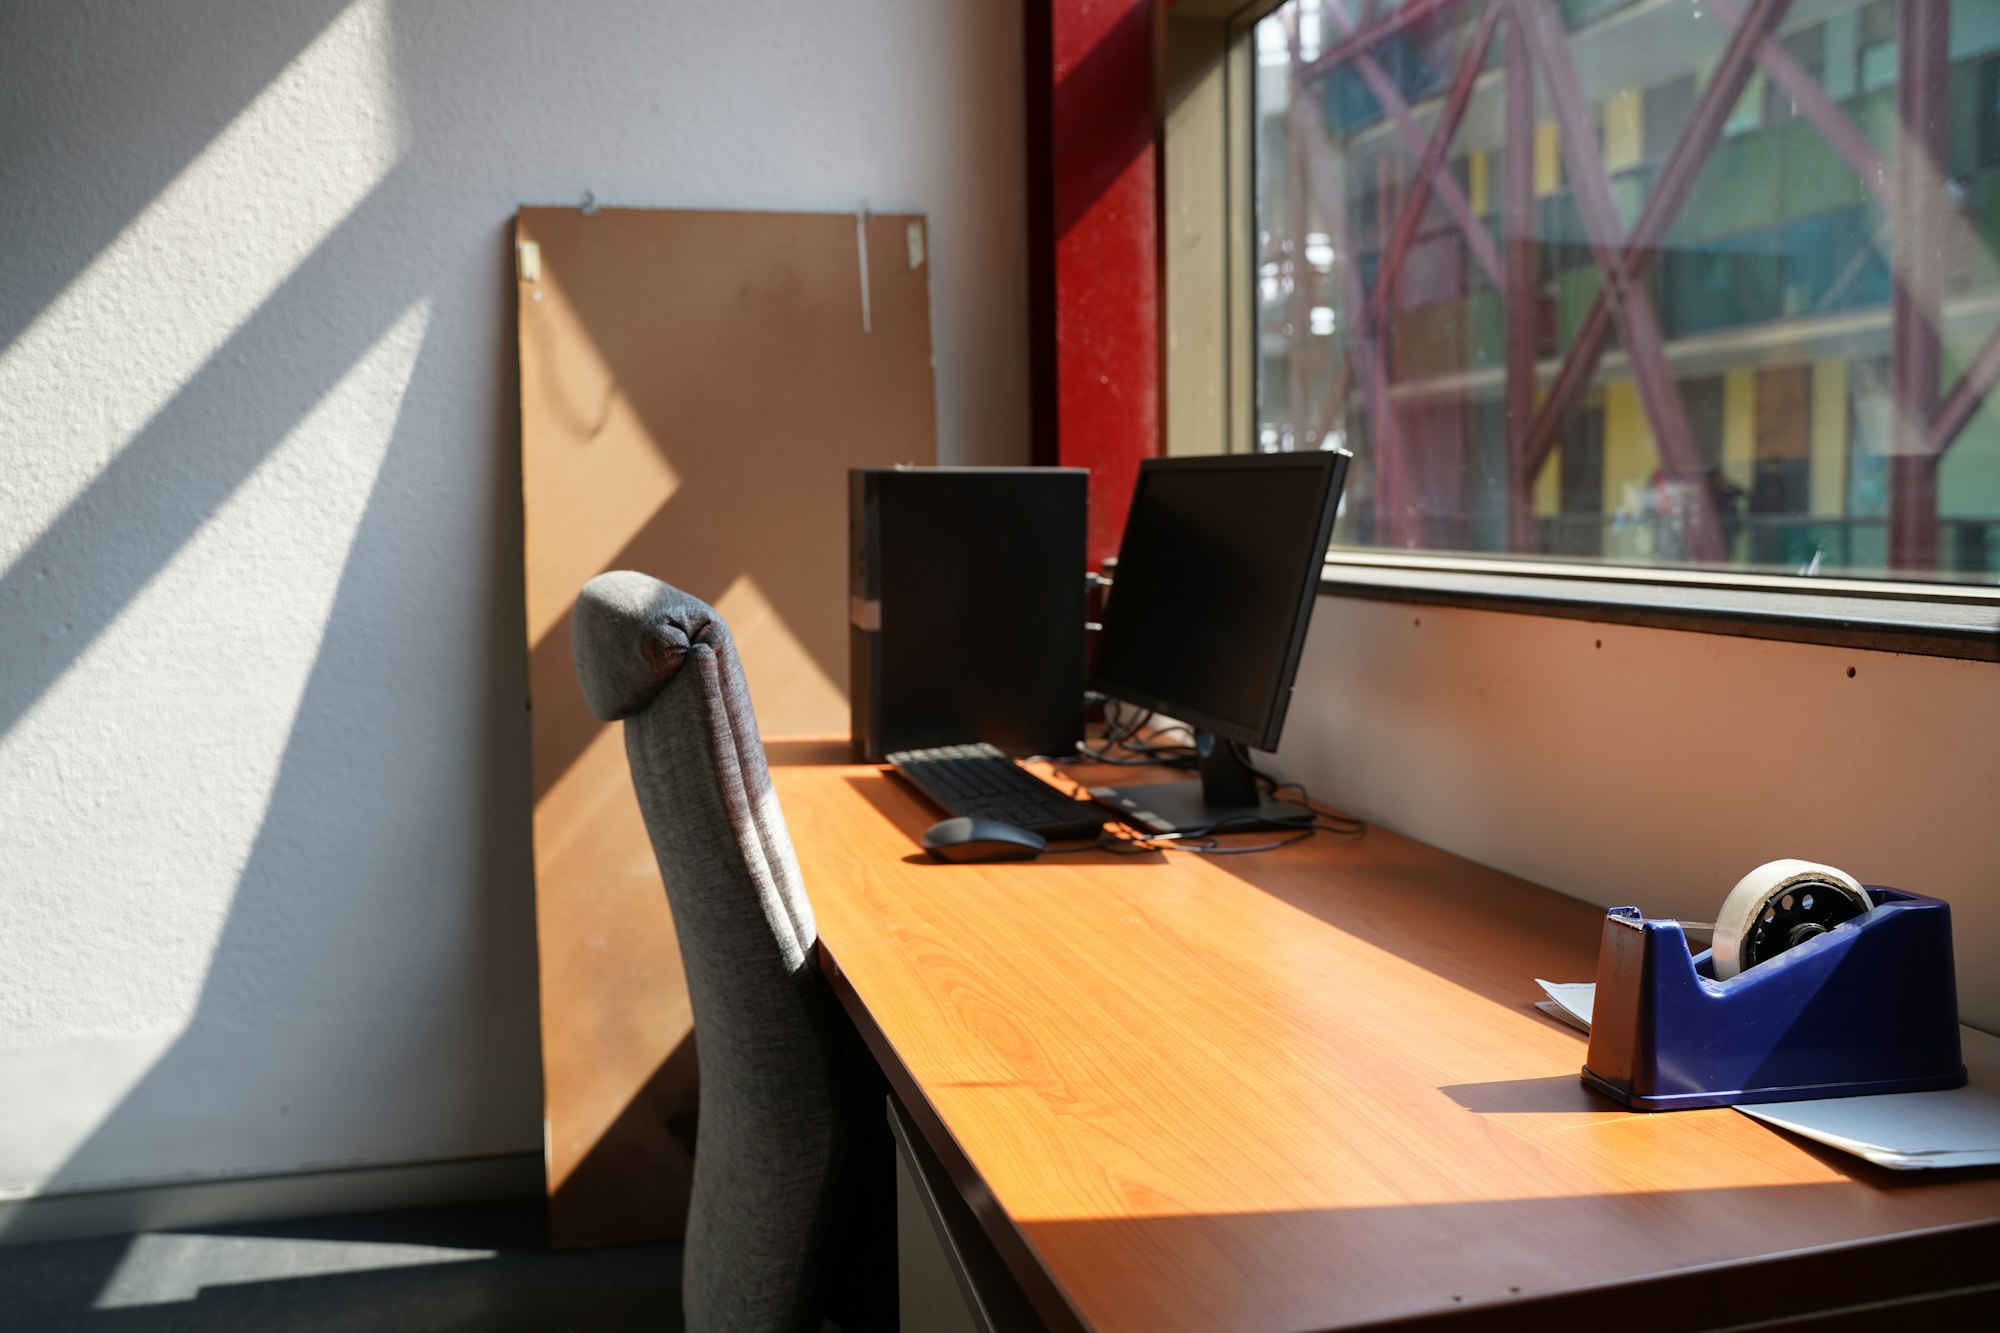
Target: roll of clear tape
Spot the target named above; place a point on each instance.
(1778, 905)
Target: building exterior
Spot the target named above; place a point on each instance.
(1788, 372)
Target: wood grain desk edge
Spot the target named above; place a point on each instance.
(1911, 1270)
(1960, 1262)
(1023, 1263)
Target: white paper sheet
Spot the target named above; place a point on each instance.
(1909, 1131)
(1905, 1131)
(1572, 998)
(1561, 1015)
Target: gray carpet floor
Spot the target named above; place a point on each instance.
(483, 1267)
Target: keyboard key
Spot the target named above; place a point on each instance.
(980, 780)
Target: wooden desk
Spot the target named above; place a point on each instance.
(1308, 1090)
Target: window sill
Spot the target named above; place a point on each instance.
(1955, 620)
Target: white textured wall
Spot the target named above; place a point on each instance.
(1659, 767)
(264, 894)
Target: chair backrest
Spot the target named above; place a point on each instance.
(773, 1127)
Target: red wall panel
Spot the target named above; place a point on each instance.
(1093, 230)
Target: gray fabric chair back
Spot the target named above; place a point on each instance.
(773, 1129)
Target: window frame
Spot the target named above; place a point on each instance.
(1930, 618)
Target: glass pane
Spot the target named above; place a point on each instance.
(1747, 390)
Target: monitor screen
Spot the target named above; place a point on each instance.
(1214, 587)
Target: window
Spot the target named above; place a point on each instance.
(1639, 306)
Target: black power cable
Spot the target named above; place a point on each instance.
(1120, 735)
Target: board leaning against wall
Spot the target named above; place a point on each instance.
(694, 388)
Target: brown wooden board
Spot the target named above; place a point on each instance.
(694, 388)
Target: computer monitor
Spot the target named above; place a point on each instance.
(1206, 618)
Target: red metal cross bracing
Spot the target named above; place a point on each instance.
(1842, 134)
(1449, 193)
(1916, 300)
(1631, 308)
(1430, 166)
(1303, 362)
(1370, 33)
(1409, 216)
(1517, 218)
(1846, 138)
(1325, 179)
(1621, 299)
(1981, 374)
(1927, 422)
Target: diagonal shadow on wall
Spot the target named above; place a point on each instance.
(402, 795)
(71, 583)
(131, 121)
(292, 1037)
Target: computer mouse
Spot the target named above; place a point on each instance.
(969, 838)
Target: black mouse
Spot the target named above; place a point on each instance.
(970, 838)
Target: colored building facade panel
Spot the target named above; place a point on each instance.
(1742, 349)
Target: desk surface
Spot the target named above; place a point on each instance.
(1308, 1089)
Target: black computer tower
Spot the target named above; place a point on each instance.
(966, 615)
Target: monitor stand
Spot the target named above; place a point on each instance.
(1224, 799)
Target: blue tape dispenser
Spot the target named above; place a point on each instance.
(1816, 987)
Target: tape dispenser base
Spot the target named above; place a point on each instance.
(1869, 1007)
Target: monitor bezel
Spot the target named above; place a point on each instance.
(1332, 465)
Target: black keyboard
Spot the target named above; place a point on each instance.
(979, 780)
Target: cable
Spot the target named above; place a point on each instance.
(1343, 825)
(1203, 845)
(1138, 750)
(1119, 734)
(1210, 847)
(1202, 841)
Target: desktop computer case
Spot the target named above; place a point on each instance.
(966, 608)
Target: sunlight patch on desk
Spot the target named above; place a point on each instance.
(1344, 1089)
(1696, 1190)
(1354, 905)
(162, 1269)
(1339, 1160)
(158, 303)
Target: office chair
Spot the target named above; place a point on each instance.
(773, 1171)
